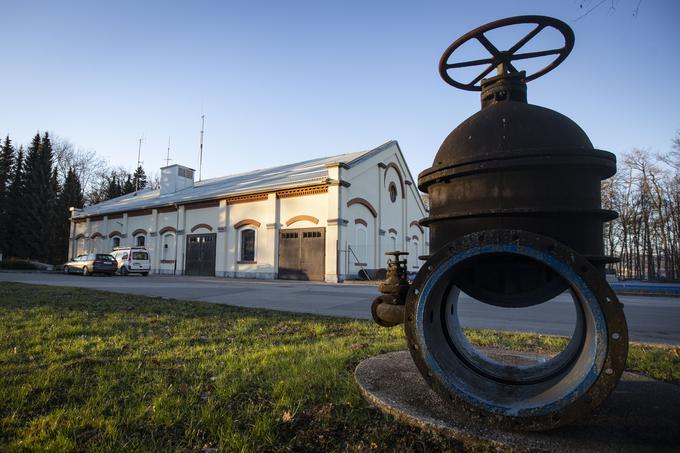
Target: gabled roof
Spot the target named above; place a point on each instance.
(314, 171)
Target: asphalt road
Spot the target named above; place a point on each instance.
(650, 319)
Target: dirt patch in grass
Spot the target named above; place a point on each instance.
(89, 370)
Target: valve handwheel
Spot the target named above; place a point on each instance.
(504, 58)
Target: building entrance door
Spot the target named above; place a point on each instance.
(200, 255)
(302, 254)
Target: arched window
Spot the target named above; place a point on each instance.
(168, 247)
(80, 247)
(393, 192)
(247, 245)
(140, 240)
(361, 246)
(414, 252)
(115, 242)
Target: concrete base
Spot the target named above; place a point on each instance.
(641, 414)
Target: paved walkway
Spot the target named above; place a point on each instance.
(650, 319)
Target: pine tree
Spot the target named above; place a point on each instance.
(70, 196)
(14, 246)
(114, 188)
(6, 166)
(139, 178)
(6, 162)
(129, 186)
(54, 215)
(40, 199)
(21, 203)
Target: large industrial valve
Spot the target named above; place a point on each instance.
(515, 220)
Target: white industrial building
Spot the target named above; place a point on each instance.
(323, 219)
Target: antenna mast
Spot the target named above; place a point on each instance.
(167, 158)
(200, 153)
(139, 162)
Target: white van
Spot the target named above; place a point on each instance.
(132, 260)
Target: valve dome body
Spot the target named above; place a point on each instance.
(514, 165)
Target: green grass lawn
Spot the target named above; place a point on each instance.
(90, 370)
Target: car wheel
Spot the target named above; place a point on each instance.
(145, 274)
(66, 270)
(86, 272)
(123, 270)
(110, 274)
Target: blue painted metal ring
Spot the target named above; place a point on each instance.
(533, 397)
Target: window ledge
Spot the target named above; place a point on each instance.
(361, 264)
(246, 262)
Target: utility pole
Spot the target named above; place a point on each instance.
(200, 152)
(139, 161)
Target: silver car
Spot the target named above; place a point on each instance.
(92, 264)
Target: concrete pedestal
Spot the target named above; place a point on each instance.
(641, 414)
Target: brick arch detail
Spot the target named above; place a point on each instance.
(96, 235)
(115, 233)
(301, 218)
(418, 225)
(364, 203)
(401, 178)
(392, 230)
(361, 222)
(167, 229)
(80, 236)
(201, 225)
(245, 222)
(139, 231)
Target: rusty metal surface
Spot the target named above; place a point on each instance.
(515, 219)
(553, 393)
(502, 59)
(517, 166)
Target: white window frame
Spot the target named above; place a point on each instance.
(240, 245)
(137, 239)
(113, 242)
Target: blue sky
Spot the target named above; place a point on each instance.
(284, 81)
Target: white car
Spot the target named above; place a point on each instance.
(132, 260)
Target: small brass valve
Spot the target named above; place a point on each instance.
(388, 308)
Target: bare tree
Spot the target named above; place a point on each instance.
(88, 166)
(646, 235)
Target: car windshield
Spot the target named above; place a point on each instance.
(105, 257)
(140, 256)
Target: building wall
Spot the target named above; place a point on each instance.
(389, 225)
(362, 222)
